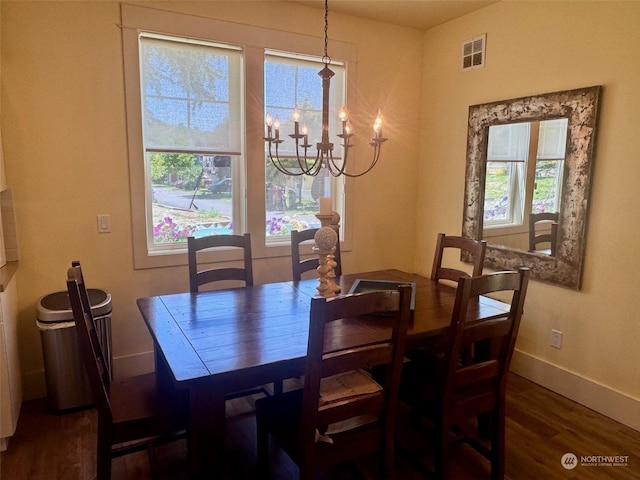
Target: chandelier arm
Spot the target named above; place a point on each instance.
(334, 169)
(376, 156)
(278, 163)
(303, 163)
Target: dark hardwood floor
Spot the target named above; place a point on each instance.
(541, 428)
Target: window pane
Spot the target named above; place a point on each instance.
(549, 165)
(546, 193)
(191, 196)
(497, 207)
(191, 110)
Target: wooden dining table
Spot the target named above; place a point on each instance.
(217, 342)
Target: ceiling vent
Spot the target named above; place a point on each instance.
(473, 52)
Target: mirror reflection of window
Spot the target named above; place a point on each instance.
(507, 153)
(552, 145)
(514, 181)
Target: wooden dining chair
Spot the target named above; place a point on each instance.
(548, 235)
(456, 392)
(198, 277)
(245, 274)
(300, 265)
(134, 413)
(341, 413)
(472, 247)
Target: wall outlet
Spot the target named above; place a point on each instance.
(556, 338)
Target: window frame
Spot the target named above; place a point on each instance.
(137, 19)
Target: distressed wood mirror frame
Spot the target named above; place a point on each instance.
(581, 108)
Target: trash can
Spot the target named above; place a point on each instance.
(66, 380)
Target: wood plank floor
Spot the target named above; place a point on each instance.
(541, 428)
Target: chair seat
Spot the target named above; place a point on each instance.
(143, 402)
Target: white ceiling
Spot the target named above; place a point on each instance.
(420, 14)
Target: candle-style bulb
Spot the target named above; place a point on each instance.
(305, 129)
(343, 114)
(268, 121)
(296, 115)
(347, 128)
(276, 124)
(377, 125)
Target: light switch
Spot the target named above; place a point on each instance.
(104, 223)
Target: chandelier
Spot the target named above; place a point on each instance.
(324, 156)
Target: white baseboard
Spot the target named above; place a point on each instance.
(131, 365)
(597, 397)
(34, 385)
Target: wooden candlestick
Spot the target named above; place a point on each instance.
(332, 221)
(325, 268)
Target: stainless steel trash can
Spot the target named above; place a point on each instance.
(66, 380)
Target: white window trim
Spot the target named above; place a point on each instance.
(136, 19)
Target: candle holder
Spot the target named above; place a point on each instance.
(331, 220)
(324, 287)
(326, 239)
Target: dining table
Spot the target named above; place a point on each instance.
(217, 342)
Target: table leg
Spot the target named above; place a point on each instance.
(206, 430)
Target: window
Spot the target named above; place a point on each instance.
(197, 90)
(191, 115)
(513, 181)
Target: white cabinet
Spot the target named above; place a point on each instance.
(10, 377)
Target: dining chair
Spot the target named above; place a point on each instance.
(299, 265)
(548, 235)
(472, 247)
(456, 391)
(198, 277)
(134, 413)
(245, 274)
(341, 413)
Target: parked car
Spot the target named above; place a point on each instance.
(221, 186)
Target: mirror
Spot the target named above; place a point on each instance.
(508, 237)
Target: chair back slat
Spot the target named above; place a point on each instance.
(300, 265)
(369, 404)
(467, 246)
(478, 372)
(198, 277)
(367, 356)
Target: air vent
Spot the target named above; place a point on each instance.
(473, 52)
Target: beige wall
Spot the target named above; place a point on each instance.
(538, 47)
(64, 129)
